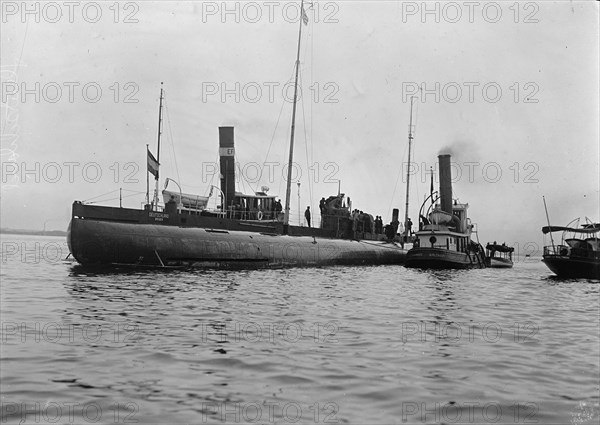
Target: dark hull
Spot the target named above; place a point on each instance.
(499, 263)
(437, 258)
(573, 267)
(106, 243)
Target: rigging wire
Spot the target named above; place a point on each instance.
(172, 140)
(273, 136)
(414, 149)
(104, 194)
(237, 166)
(312, 66)
(133, 193)
(217, 162)
(397, 179)
(413, 131)
(114, 199)
(253, 185)
(310, 185)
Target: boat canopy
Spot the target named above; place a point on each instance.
(588, 229)
(499, 248)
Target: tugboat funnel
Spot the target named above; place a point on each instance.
(445, 183)
(227, 165)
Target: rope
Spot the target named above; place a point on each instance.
(273, 136)
(114, 199)
(414, 149)
(397, 179)
(242, 179)
(104, 194)
(217, 162)
(172, 140)
(133, 193)
(310, 186)
(253, 188)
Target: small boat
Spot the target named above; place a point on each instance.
(577, 255)
(186, 200)
(499, 256)
(444, 238)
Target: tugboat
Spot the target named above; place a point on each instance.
(443, 240)
(243, 231)
(578, 253)
(499, 256)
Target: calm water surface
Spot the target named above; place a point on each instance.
(365, 345)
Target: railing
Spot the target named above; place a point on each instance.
(560, 250)
(567, 251)
(240, 214)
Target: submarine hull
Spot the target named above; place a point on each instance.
(104, 243)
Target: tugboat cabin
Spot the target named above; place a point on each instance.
(499, 256)
(445, 231)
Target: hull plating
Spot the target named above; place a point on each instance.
(96, 242)
(436, 258)
(569, 267)
(500, 263)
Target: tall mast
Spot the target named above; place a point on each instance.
(147, 177)
(410, 138)
(158, 148)
(288, 190)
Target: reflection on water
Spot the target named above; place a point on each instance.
(327, 345)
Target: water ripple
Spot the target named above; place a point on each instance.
(352, 345)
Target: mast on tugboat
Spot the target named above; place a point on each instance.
(286, 215)
(410, 138)
(548, 219)
(158, 148)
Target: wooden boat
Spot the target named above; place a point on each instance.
(185, 200)
(577, 255)
(499, 256)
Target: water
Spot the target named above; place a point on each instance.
(328, 345)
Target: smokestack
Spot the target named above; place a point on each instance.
(227, 154)
(395, 214)
(445, 183)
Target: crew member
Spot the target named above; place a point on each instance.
(323, 206)
(307, 215)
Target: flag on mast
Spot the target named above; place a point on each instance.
(152, 164)
(304, 16)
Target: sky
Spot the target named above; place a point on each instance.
(510, 89)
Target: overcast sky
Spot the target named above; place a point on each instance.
(510, 89)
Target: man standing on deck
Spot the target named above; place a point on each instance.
(307, 215)
(323, 206)
(409, 224)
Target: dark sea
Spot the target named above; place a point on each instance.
(331, 345)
